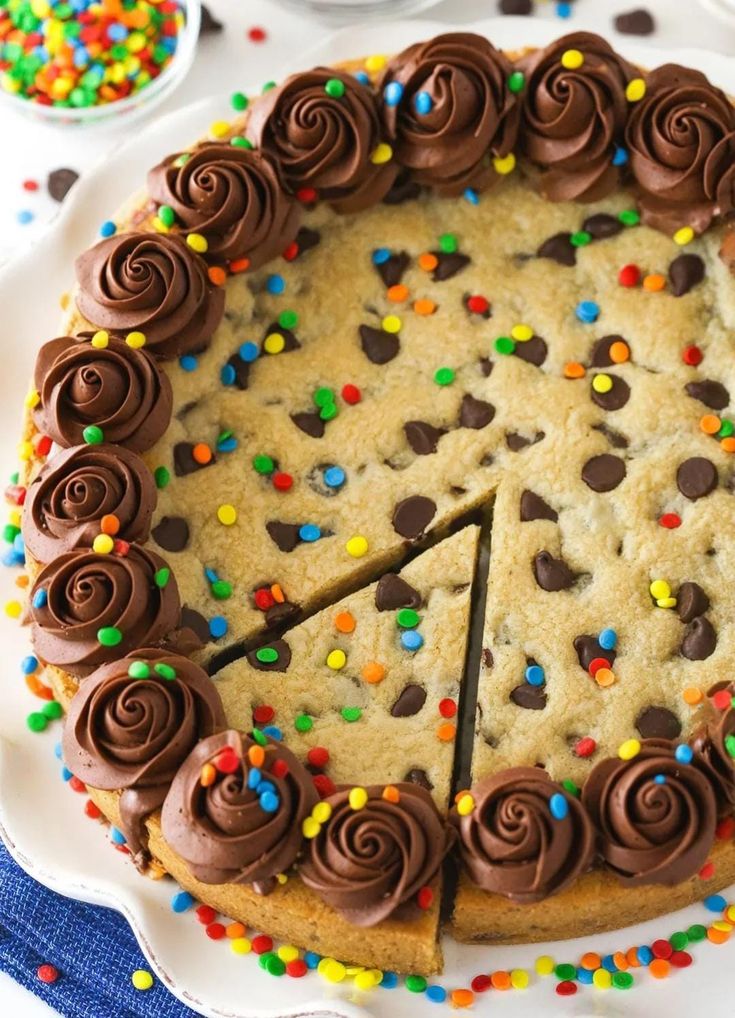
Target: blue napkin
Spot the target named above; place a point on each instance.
(93, 949)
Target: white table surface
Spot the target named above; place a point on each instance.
(228, 61)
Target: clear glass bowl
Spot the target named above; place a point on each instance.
(132, 107)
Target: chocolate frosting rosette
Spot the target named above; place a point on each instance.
(714, 745)
(114, 386)
(574, 116)
(376, 850)
(89, 608)
(681, 137)
(232, 197)
(235, 809)
(322, 129)
(152, 283)
(448, 111)
(133, 722)
(522, 835)
(76, 489)
(655, 815)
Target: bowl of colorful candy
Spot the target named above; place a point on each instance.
(82, 62)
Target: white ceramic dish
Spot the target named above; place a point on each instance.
(42, 822)
(722, 9)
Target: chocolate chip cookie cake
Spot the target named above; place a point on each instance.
(376, 499)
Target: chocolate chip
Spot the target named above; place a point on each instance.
(290, 342)
(637, 22)
(515, 6)
(402, 190)
(487, 657)
(559, 248)
(392, 592)
(284, 535)
(658, 723)
(194, 620)
(691, 601)
(412, 516)
(486, 367)
(696, 477)
(475, 413)
(278, 613)
(603, 472)
(617, 396)
(533, 507)
(281, 662)
(410, 702)
(600, 353)
(242, 371)
(616, 438)
(529, 697)
(448, 265)
(60, 182)
(392, 269)
(516, 442)
(419, 777)
(306, 239)
(685, 272)
(533, 351)
(700, 640)
(552, 573)
(209, 25)
(601, 226)
(713, 394)
(423, 437)
(184, 462)
(379, 346)
(310, 422)
(588, 648)
(172, 533)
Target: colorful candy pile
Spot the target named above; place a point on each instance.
(80, 53)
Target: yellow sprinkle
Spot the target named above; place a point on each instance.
(103, 544)
(310, 828)
(382, 153)
(602, 383)
(629, 749)
(572, 59)
(219, 128)
(730, 913)
(505, 164)
(722, 926)
(159, 226)
(357, 546)
(365, 980)
(197, 242)
(282, 878)
(666, 602)
(334, 971)
(227, 514)
(659, 589)
(141, 979)
(684, 236)
(545, 965)
(240, 945)
(100, 339)
(25, 451)
(33, 398)
(636, 90)
(375, 63)
(15, 517)
(135, 339)
(391, 323)
(522, 333)
(519, 979)
(288, 953)
(465, 805)
(13, 609)
(336, 659)
(358, 797)
(274, 343)
(322, 812)
(602, 979)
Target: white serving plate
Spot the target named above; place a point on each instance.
(42, 822)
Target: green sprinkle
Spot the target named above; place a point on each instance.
(166, 215)
(268, 86)
(416, 984)
(162, 476)
(139, 670)
(92, 435)
(679, 941)
(622, 980)
(182, 160)
(259, 737)
(266, 655)
(407, 618)
(288, 319)
(37, 721)
(329, 412)
(565, 971)
(516, 81)
(161, 577)
(351, 713)
(444, 376)
(730, 745)
(726, 428)
(275, 966)
(323, 396)
(629, 217)
(221, 590)
(303, 723)
(335, 88)
(109, 636)
(569, 786)
(263, 464)
(239, 101)
(10, 532)
(448, 243)
(164, 670)
(580, 238)
(696, 933)
(505, 345)
(52, 710)
(239, 142)
(14, 477)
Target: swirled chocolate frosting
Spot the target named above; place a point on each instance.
(714, 745)
(76, 488)
(455, 113)
(117, 388)
(512, 844)
(231, 196)
(681, 138)
(573, 120)
(217, 818)
(152, 283)
(323, 141)
(133, 722)
(370, 863)
(81, 596)
(655, 816)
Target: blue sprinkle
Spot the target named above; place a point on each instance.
(608, 639)
(411, 639)
(228, 375)
(11, 558)
(312, 959)
(310, 532)
(181, 901)
(248, 352)
(217, 627)
(188, 362)
(18, 544)
(715, 903)
(363, 77)
(275, 284)
(117, 837)
(587, 311)
(269, 802)
(210, 574)
(423, 103)
(117, 32)
(66, 774)
(57, 751)
(227, 444)
(40, 598)
(564, 10)
(660, 779)
(644, 955)
(25, 216)
(389, 981)
(108, 228)
(380, 255)
(535, 675)
(559, 806)
(684, 754)
(584, 976)
(472, 196)
(609, 963)
(29, 664)
(620, 157)
(436, 994)
(274, 732)
(393, 93)
(334, 477)
(255, 776)
(81, 57)
(264, 786)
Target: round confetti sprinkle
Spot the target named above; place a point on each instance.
(357, 546)
(444, 376)
(587, 311)
(47, 973)
(142, 979)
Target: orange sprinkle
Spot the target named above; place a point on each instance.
(344, 622)
(428, 262)
(256, 756)
(717, 936)
(239, 265)
(462, 998)
(277, 593)
(201, 453)
(604, 677)
(209, 773)
(446, 732)
(620, 960)
(217, 275)
(654, 283)
(709, 424)
(391, 794)
(373, 672)
(573, 369)
(110, 524)
(659, 968)
(235, 930)
(619, 352)
(22, 581)
(728, 444)
(692, 696)
(424, 306)
(591, 961)
(38, 688)
(397, 294)
(632, 956)
(500, 980)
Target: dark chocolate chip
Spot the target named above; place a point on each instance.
(306, 239)
(616, 398)
(559, 248)
(194, 620)
(290, 342)
(475, 413)
(601, 226)
(600, 353)
(242, 371)
(691, 601)
(184, 462)
(696, 477)
(60, 182)
(588, 648)
(487, 657)
(658, 723)
(410, 702)
(637, 22)
(413, 515)
(448, 265)
(419, 777)
(685, 272)
(486, 367)
(529, 697)
(516, 442)
(700, 640)
(392, 592)
(533, 351)
(282, 661)
(392, 269)
(284, 535)
(552, 573)
(310, 422)
(378, 345)
(402, 190)
(172, 533)
(713, 394)
(533, 507)
(209, 25)
(515, 6)
(278, 613)
(423, 437)
(616, 438)
(603, 472)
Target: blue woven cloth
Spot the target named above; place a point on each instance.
(92, 947)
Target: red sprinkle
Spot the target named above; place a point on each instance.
(629, 275)
(424, 898)
(263, 714)
(681, 959)
(292, 252)
(227, 762)
(351, 394)
(261, 944)
(596, 664)
(279, 768)
(707, 871)
(566, 988)
(318, 756)
(481, 983)
(30, 185)
(205, 914)
(263, 599)
(585, 746)
(447, 708)
(282, 482)
(15, 494)
(670, 520)
(215, 931)
(121, 548)
(722, 699)
(477, 304)
(324, 785)
(296, 968)
(42, 445)
(692, 355)
(47, 973)
(92, 811)
(662, 949)
(725, 829)
(76, 784)
(307, 195)
(257, 34)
